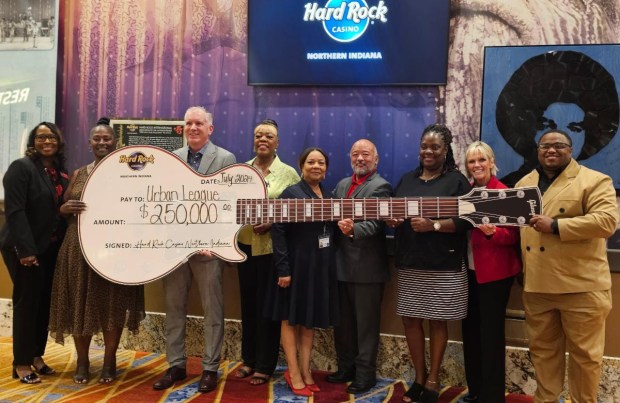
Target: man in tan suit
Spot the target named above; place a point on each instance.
(567, 290)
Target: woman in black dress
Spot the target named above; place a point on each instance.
(304, 259)
(432, 277)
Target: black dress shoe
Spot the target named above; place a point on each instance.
(340, 377)
(208, 381)
(360, 387)
(172, 375)
(429, 396)
(470, 399)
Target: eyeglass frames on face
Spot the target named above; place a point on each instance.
(555, 146)
(42, 138)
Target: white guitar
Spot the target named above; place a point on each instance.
(147, 211)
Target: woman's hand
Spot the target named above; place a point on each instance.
(261, 229)
(29, 261)
(284, 282)
(205, 252)
(487, 229)
(73, 207)
(419, 224)
(393, 223)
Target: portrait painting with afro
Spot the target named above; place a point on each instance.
(557, 89)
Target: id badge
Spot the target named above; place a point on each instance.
(323, 241)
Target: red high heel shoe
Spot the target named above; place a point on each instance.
(299, 392)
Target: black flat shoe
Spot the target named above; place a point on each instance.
(28, 379)
(44, 370)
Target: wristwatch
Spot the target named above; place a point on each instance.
(436, 225)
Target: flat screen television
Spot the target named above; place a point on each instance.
(354, 42)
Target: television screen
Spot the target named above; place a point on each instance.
(355, 42)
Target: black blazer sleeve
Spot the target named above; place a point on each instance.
(30, 208)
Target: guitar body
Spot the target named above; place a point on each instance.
(148, 212)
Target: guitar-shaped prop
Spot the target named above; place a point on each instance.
(148, 211)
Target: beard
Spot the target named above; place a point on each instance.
(361, 170)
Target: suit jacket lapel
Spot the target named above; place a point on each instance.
(46, 179)
(361, 187)
(308, 190)
(207, 158)
(561, 182)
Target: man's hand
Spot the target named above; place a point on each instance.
(284, 282)
(346, 226)
(542, 223)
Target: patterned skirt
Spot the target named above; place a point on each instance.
(435, 295)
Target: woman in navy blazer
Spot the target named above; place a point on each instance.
(494, 262)
(29, 241)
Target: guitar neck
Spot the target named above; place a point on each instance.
(254, 211)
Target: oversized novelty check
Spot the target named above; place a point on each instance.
(148, 211)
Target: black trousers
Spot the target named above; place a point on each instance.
(260, 344)
(32, 289)
(484, 340)
(357, 335)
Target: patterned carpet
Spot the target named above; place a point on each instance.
(137, 371)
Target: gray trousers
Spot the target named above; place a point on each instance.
(208, 276)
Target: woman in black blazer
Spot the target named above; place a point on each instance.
(29, 242)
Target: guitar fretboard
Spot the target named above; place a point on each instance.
(255, 211)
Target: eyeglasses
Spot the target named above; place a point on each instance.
(42, 138)
(555, 146)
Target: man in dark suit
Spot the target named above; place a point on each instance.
(362, 273)
(204, 157)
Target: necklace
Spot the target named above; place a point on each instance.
(429, 179)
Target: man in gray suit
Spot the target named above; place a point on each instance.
(204, 157)
(362, 273)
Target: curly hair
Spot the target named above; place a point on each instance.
(31, 151)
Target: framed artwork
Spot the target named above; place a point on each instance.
(528, 90)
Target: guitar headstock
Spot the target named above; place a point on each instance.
(512, 207)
